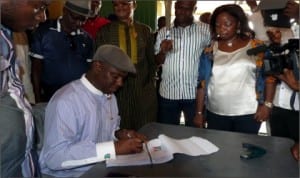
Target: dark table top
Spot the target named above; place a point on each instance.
(277, 162)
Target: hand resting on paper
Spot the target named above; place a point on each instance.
(129, 141)
(126, 134)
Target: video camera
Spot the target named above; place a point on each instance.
(277, 57)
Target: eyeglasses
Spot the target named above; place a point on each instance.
(77, 18)
(40, 9)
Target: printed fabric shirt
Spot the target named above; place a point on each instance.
(205, 72)
(80, 123)
(179, 71)
(10, 82)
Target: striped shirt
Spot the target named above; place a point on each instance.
(180, 69)
(10, 83)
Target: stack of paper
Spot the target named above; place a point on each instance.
(161, 150)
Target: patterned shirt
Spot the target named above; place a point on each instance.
(138, 91)
(180, 69)
(80, 123)
(10, 83)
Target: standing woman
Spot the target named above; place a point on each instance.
(238, 98)
(137, 99)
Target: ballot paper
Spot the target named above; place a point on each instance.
(161, 150)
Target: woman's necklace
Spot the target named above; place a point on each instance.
(230, 42)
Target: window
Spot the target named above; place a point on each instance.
(202, 6)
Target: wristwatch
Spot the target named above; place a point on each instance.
(268, 104)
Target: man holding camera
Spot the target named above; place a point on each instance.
(284, 121)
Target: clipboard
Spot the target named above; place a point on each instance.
(272, 13)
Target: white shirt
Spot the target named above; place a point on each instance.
(231, 89)
(283, 95)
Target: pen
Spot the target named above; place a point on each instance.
(148, 152)
(147, 149)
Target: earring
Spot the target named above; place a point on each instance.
(238, 31)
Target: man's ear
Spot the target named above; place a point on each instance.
(98, 65)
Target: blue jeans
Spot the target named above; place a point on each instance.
(244, 123)
(169, 111)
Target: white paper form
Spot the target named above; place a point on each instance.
(162, 150)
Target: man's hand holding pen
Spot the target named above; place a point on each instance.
(129, 141)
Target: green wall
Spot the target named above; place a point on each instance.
(145, 11)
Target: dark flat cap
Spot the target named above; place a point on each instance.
(114, 56)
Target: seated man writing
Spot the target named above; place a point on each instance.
(82, 121)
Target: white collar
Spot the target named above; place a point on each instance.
(91, 87)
